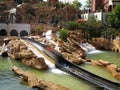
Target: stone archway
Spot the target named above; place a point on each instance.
(3, 32)
(14, 33)
(23, 33)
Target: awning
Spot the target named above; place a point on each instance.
(80, 20)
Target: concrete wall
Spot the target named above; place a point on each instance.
(18, 27)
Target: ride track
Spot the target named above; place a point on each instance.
(74, 69)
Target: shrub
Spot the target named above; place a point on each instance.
(63, 34)
(73, 25)
(38, 29)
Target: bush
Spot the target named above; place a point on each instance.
(73, 25)
(63, 34)
(41, 4)
(38, 29)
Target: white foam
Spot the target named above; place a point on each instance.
(95, 51)
(50, 64)
(57, 71)
(89, 48)
(13, 10)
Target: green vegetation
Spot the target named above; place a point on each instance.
(41, 4)
(26, 1)
(72, 25)
(114, 18)
(93, 27)
(76, 4)
(63, 34)
(2, 1)
(110, 33)
(38, 29)
(88, 4)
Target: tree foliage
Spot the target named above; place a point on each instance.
(93, 27)
(76, 4)
(72, 25)
(114, 17)
(88, 4)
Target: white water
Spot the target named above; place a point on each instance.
(89, 48)
(50, 64)
(48, 36)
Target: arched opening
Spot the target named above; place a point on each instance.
(14, 33)
(3, 32)
(23, 33)
(110, 8)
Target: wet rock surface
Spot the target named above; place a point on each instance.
(19, 51)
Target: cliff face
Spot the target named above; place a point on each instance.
(106, 44)
(35, 11)
(42, 12)
(4, 7)
(102, 43)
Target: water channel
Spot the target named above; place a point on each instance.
(10, 81)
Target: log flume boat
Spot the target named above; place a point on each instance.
(75, 70)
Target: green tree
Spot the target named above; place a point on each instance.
(88, 4)
(114, 17)
(72, 25)
(93, 27)
(63, 34)
(110, 33)
(76, 4)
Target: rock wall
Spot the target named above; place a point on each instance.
(19, 51)
(33, 13)
(116, 45)
(70, 48)
(105, 44)
(101, 43)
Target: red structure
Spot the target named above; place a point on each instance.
(105, 5)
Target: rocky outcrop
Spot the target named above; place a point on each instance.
(70, 48)
(116, 45)
(46, 12)
(33, 81)
(19, 51)
(112, 68)
(105, 44)
(102, 43)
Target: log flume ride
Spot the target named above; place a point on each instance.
(73, 69)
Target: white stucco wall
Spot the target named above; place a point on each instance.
(98, 15)
(17, 27)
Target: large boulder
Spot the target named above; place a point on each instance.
(102, 43)
(36, 62)
(73, 59)
(33, 81)
(116, 45)
(19, 51)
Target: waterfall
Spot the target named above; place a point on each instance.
(51, 65)
(89, 48)
(12, 13)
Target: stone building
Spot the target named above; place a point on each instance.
(105, 5)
